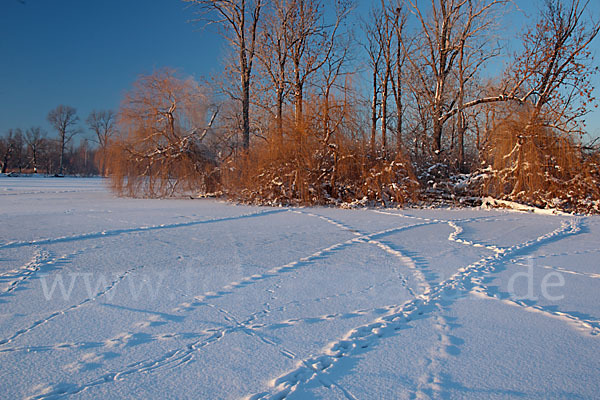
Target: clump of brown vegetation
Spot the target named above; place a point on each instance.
(536, 165)
(159, 151)
(305, 167)
(342, 176)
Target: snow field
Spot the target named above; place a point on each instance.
(104, 297)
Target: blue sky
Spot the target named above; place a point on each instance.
(87, 53)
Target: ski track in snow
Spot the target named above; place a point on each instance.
(387, 321)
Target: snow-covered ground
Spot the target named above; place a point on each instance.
(104, 297)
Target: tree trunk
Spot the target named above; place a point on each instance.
(298, 114)
(374, 112)
(34, 159)
(279, 95)
(437, 133)
(384, 97)
(399, 105)
(298, 102)
(62, 153)
(399, 143)
(245, 112)
(399, 61)
(461, 129)
(326, 132)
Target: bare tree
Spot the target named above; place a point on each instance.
(555, 67)
(453, 25)
(384, 34)
(389, 35)
(331, 82)
(399, 23)
(7, 148)
(35, 138)
(475, 48)
(312, 43)
(19, 152)
(103, 125)
(162, 125)
(239, 20)
(64, 119)
(274, 47)
(374, 52)
(4, 155)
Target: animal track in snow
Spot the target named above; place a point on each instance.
(365, 336)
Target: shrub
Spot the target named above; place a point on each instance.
(536, 165)
(160, 151)
(302, 168)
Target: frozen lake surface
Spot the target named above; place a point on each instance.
(105, 297)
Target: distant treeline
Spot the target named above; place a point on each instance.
(23, 153)
(33, 151)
